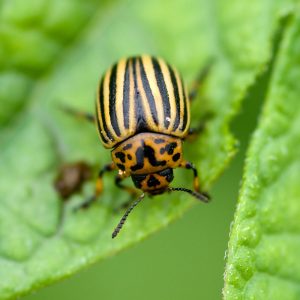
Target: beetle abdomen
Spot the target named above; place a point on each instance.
(141, 94)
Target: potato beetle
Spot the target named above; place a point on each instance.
(143, 115)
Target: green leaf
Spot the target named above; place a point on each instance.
(263, 258)
(54, 52)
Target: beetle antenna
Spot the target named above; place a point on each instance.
(128, 211)
(76, 113)
(200, 196)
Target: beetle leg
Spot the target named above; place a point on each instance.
(132, 191)
(78, 114)
(194, 131)
(202, 75)
(188, 165)
(99, 186)
(118, 181)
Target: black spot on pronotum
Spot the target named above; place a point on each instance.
(176, 157)
(139, 154)
(127, 146)
(152, 181)
(121, 156)
(121, 167)
(162, 150)
(129, 156)
(159, 141)
(150, 154)
(146, 152)
(170, 148)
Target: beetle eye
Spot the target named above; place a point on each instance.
(167, 173)
(138, 179)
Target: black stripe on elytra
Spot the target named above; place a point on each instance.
(112, 100)
(163, 91)
(177, 97)
(139, 110)
(101, 100)
(126, 89)
(148, 92)
(185, 106)
(99, 127)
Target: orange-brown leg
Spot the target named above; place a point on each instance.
(188, 165)
(131, 190)
(99, 186)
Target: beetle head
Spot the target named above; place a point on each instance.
(155, 183)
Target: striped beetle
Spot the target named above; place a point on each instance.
(143, 115)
